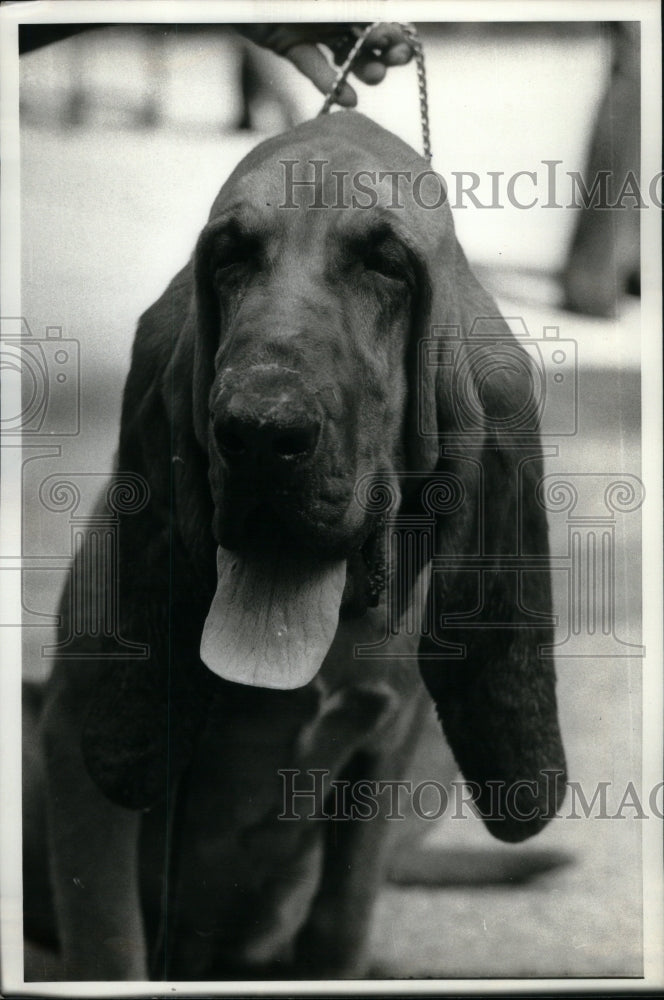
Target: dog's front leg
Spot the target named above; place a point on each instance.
(334, 941)
(333, 944)
(93, 848)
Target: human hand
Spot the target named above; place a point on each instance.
(386, 45)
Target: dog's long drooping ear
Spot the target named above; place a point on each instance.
(142, 711)
(484, 658)
(209, 317)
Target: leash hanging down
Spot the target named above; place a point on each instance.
(410, 31)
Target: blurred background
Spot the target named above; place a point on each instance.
(127, 133)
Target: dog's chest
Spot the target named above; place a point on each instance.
(251, 855)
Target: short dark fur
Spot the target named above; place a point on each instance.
(335, 309)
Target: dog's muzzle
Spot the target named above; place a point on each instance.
(280, 457)
(289, 561)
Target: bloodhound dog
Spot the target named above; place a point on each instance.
(334, 428)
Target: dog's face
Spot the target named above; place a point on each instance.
(310, 304)
(310, 384)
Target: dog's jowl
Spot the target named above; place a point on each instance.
(342, 523)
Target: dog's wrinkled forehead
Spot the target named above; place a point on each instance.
(343, 162)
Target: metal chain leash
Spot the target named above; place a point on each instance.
(410, 31)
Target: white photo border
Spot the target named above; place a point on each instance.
(144, 11)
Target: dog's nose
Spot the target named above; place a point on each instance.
(268, 423)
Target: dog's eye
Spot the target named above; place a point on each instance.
(230, 263)
(231, 258)
(387, 260)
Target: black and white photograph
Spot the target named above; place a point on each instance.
(331, 551)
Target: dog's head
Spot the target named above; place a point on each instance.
(337, 344)
(313, 278)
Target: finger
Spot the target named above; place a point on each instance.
(385, 36)
(369, 66)
(386, 44)
(369, 70)
(312, 63)
(344, 41)
(398, 55)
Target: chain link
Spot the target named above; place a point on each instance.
(410, 31)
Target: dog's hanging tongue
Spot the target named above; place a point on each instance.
(273, 616)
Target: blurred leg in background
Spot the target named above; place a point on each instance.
(603, 262)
